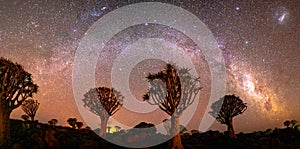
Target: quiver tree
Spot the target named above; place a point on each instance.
(287, 123)
(79, 125)
(16, 86)
(30, 107)
(72, 122)
(103, 102)
(225, 109)
(173, 90)
(293, 123)
(52, 122)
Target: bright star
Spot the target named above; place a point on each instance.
(281, 18)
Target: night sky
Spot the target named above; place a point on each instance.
(259, 41)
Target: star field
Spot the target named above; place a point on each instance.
(259, 41)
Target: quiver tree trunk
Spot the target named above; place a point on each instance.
(4, 128)
(104, 119)
(175, 142)
(32, 118)
(230, 129)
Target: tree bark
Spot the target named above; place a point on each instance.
(230, 129)
(175, 142)
(104, 120)
(4, 128)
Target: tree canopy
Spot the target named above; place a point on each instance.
(104, 102)
(172, 89)
(30, 107)
(16, 84)
(102, 99)
(227, 107)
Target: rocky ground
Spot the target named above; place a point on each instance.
(34, 135)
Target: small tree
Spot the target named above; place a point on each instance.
(16, 85)
(103, 102)
(287, 123)
(72, 122)
(79, 125)
(30, 107)
(52, 122)
(173, 90)
(25, 117)
(293, 123)
(225, 109)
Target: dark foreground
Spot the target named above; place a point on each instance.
(33, 135)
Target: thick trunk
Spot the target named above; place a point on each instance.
(230, 129)
(104, 120)
(175, 142)
(4, 128)
(32, 118)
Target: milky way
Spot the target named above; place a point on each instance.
(259, 42)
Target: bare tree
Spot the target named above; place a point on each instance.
(72, 122)
(30, 107)
(52, 122)
(225, 109)
(293, 123)
(287, 123)
(173, 90)
(103, 102)
(16, 86)
(79, 125)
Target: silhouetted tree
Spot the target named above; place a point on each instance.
(72, 122)
(52, 122)
(25, 117)
(293, 123)
(225, 109)
(173, 90)
(287, 123)
(79, 125)
(30, 107)
(103, 102)
(16, 86)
